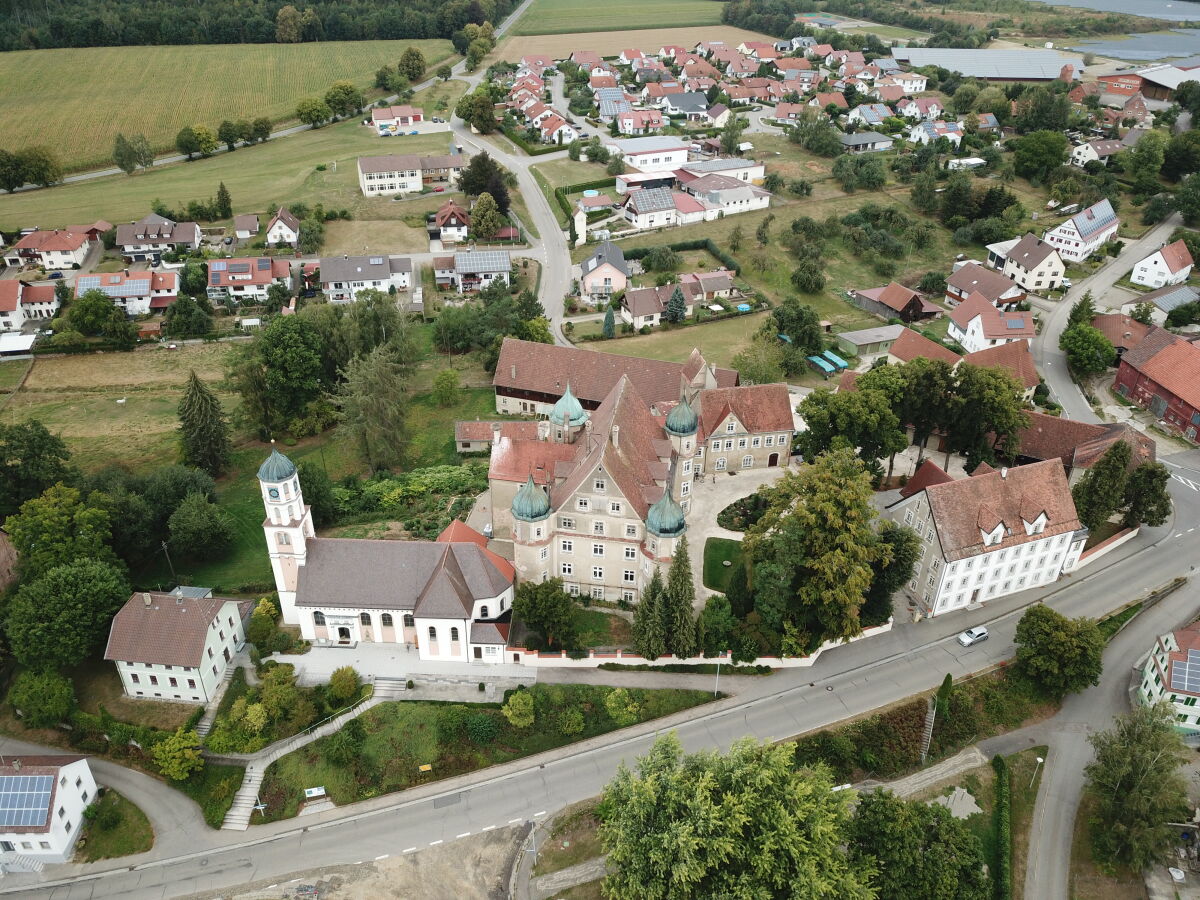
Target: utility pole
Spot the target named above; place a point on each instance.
(170, 565)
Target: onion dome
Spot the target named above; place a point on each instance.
(276, 467)
(568, 410)
(681, 421)
(665, 518)
(531, 503)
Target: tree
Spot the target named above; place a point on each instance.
(229, 134)
(444, 72)
(12, 176)
(58, 528)
(1146, 501)
(1187, 199)
(287, 25)
(344, 99)
(261, 129)
(1098, 494)
(186, 318)
(204, 432)
(649, 634)
(518, 709)
(676, 608)
(200, 529)
(986, 411)
(1137, 786)
(1062, 656)
(40, 165)
(60, 618)
(343, 684)
(1144, 313)
(446, 388)
(313, 111)
(616, 165)
(932, 283)
(660, 259)
(412, 63)
(1182, 155)
(186, 143)
(744, 824)
(760, 361)
(1088, 351)
(317, 488)
(609, 330)
(206, 140)
(924, 193)
(730, 135)
(735, 238)
(1082, 311)
(547, 609)
(485, 217)
(224, 205)
(178, 755)
(372, 403)
(31, 459)
(813, 550)
(801, 323)
(899, 554)
(861, 420)
(44, 698)
(1039, 153)
(1144, 162)
(290, 351)
(123, 155)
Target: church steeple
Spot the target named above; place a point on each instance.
(287, 527)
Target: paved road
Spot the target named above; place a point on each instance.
(1051, 361)
(847, 681)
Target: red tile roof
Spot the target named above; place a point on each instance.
(44, 241)
(974, 278)
(1177, 369)
(1014, 357)
(482, 430)
(996, 324)
(834, 97)
(458, 532)
(10, 295)
(911, 345)
(930, 473)
(1121, 331)
(1176, 256)
(760, 408)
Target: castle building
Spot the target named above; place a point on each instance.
(451, 598)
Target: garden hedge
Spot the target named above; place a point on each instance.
(533, 150)
(1002, 818)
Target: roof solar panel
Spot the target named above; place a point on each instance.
(1185, 673)
(1016, 323)
(264, 263)
(25, 799)
(217, 265)
(376, 260)
(239, 267)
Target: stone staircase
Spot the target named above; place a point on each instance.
(238, 817)
(205, 725)
(930, 717)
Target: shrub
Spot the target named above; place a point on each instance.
(623, 708)
(482, 728)
(570, 721)
(1002, 818)
(518, 709)
(343, 684)
(452, 720)
(44, 698)
(891, 742)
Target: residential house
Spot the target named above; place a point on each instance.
(716, 284)
(748, 170)
(693, 67)
(792, 64)
(595, 82)
(176, 646)
(245, 226)
(1169, 264)
(137, 293)
(656, 207)
(1084, 233)
(1122, 332)
(869, 342)
(818, 51)
(866, 142)
(650, 154)
(976, 324)
(726, 195)
(587, 59)
(990, 535)
(535, 64)
(692, 105)
(557, 130)
(1095, 151)
(925, 108)
(451, 223)
(468, 271)
(912, 82)
(344, 277)
(1015, 358)
(283, 229)
(22, 302)
(630, 57)
(887, 93)
(640, 121)
(65, 248)
(1078, 445)
(391, 120)
(1135, 108)
(895, 301)
(869, 114)
(656, 92)
(788, 113)
(929, 132)
(384, 175)
(717, 116)
(910, 345)
(1164, 300)
(647, 307)
(247, 280)
(149, 238)
(759, 50)
(1032, 264)
(611, 102)
(604, 273)
(825, 100)
(1162, 374)
(41, 808)
(986, 123)
(1167, 677)
(995, 287)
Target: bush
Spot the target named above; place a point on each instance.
(44, 698)
(452, 720)
(623, 708)
(570, 721)
(343, 685)
(482, 729)
(518, 709)
(1002, 819)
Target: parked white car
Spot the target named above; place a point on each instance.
(973, 636)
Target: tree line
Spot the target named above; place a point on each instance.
(31, 165)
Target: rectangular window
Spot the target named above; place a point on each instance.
(599, 485)
(631, 531)
(729, 444)
(597, 549)
(770, 440)
(545, 553)
(908, 517)
(174, 682)
(597, 528)
(614, 508)
(716, 445)
(192, 683)
(597, 573)
(583, 504)
(597, 593)
(567, 524)
(627, 596)
(741, 443)
(573, 590)
(729, 428)
(135, 679)
(687, 467)
(686, 487)
(628, 576)
(154, 678)
(568, 546)
(755, 442)
(568, 569)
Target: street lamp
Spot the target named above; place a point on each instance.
(1035, 771)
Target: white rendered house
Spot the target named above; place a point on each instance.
(1171, 674)
(42, 799)
(1083, 234)
(1170, 264)
(284, 228)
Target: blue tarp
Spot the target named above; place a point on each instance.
(836, 360)
(821, 364)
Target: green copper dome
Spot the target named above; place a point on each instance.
(682, 419)
(665, 518)
(568, 410)
(276, 467)
(531, 503)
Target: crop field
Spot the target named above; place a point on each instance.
(564, 16)
(86, 96)
(611, 43)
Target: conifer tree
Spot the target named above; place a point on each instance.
(224, 202)
(649, 639)
(610, 324)
(204, 431)
(678, 618)
(676, 306)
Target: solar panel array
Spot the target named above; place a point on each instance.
(137, 285)
(482, 261)
(25, 800)
(1185, 674)
(1016, 323)
(653, 200)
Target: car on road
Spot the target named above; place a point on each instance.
(438, 190)
(1066, 283)
(54, 275)
(973, 636)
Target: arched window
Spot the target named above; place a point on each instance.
(318, 618)
(483, 612)
(291, 513)
(364, 618)
(386, 620)
(409, 622)
(454, 634)
(283, 539)
(432, 633)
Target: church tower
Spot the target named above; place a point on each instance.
(288, 526)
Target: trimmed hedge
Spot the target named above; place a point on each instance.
(560, 193)
(1002, 819)
(531, 149)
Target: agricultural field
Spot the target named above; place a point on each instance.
(158, 90)
(564, 16)
(611, 43)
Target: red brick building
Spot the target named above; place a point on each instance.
(1162, 374)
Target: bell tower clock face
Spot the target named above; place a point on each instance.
(273, 493)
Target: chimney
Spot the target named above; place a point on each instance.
(1004, 471)
(147, 599)
(616, 435)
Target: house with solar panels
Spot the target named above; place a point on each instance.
(42, 799)
(1083, 234)
(343, 277)
(1172, 675)
(247, 280)
(471, 270)
(137, 293)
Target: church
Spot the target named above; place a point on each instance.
(450, 598)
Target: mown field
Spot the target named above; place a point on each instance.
(610, 43)
(563, 16)
(77, 100)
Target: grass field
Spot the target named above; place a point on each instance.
(718, 341)
(611, 43)
(716, 552)
(86, 96)
(129, 833)
(564, 16)
(97, 685)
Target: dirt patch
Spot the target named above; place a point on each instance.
(574, 838)
(1088, 878)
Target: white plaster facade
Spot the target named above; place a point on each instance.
(74, 789)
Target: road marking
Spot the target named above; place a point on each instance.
(385, 856)
(488, 827)
(513, 821)
(434, 843)
(1185, 481)
(409, 850)
(463, 835)
(542, 813)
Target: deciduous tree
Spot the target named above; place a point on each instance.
(178, 755)
(1088, 351)
(31, 459)
(549, 610)
(1039, 153)
(344, 99)
(317, 488)
(44, 698)
(229, 134)
(313, 111)
(446, 387)
(1146, 500)
(372, 402)
(123, 155)
(412, 63)
(861, 420)
(987, 405)
(900, 550)
(40, 165)
(206, 140)
(58, 528)
(1062, 656)
(1099, 493)
(518, 709)
(200, 529)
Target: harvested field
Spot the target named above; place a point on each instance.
(611, 43)
(567, 16)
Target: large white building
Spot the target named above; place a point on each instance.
(450, 598)
(990, 535)
(1083, 234)
(1171, 674)
(385, 175)
(650, 154)
(149, 238)
(42, 799)
(1170, 264)
(343, 277)
(247, 280)
(1032, 264)
(21, 302)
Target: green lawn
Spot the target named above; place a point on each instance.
(11, 373)
(601, 629)
(718, 341)
(119, 829)
(716, 552)
(568, 16)
(97, 686)
(402, 737)
(431, 427)
(96, 92)
(212, 788)
(575, 838)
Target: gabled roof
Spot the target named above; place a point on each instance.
(607, 252)
(362, 268)
(1174, 365)
(1030, 252)
(451, 212)
(1094, 219)
(911, 345)
(246, 222)
(169, 630)
(459, 532)
(1172, 296)
(974, 278)
(52, 241)
(284, 216)
(1121, 331)
(1014, 357)
(929, 473)
(254, 270)
(1176, 256)
(760, 408)
(995, 324)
